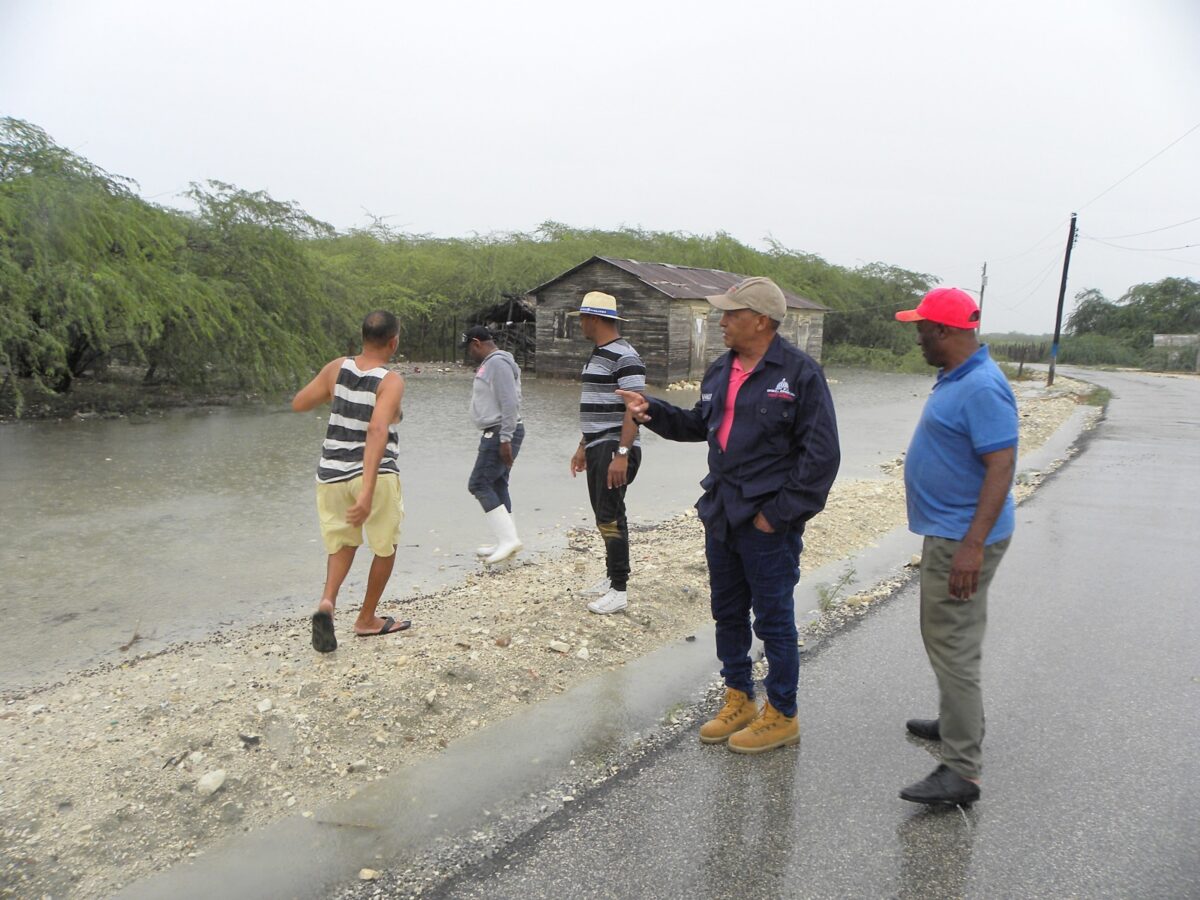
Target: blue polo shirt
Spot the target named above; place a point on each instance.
(971, 411)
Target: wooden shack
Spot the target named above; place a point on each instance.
(673, 327)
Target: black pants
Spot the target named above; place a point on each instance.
(608, 504)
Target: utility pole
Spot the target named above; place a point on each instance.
(1062, 293)
(982, 288)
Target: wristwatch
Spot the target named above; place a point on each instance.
(622, 451)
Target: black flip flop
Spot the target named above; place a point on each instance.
(387, 627)
(323, 639)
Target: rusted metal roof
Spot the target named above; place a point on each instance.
(683, 282)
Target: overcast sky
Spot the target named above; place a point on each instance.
(929, 135)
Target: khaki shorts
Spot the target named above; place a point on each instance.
(382, 526)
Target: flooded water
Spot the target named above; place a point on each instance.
(179, 526)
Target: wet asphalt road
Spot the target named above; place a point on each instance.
(1092, 686)
(1092, 679)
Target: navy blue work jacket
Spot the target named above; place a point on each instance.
(782, 454)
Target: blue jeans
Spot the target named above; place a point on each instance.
(489, 478)
(751, 570)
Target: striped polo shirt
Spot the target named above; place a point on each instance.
(614, 365)
(346, 435)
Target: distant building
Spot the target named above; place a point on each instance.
(670, 323)
(1177, 345)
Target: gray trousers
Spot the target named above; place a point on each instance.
(953, 634)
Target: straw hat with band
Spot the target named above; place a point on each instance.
(598, 303)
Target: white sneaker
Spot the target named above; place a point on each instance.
(599, 589)
(611, 602)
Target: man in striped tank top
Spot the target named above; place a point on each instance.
(609, 450)
(358, 479)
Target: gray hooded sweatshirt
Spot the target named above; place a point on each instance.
(496, 394)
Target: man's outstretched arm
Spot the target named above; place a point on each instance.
(671, 422)
(319, 390)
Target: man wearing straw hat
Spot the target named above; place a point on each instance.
(609, 450)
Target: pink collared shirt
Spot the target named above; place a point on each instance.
(737, 377)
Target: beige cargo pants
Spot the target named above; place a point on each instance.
(953, 634)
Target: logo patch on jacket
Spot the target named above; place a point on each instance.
(781, 391)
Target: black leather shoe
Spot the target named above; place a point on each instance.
(924, 728)
(943, 785)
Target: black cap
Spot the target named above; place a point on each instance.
(476, 333)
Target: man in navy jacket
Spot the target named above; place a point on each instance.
(773, 454)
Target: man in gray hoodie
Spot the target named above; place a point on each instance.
(496, 412)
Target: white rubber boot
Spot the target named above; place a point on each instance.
(489, 549)
(505, 529)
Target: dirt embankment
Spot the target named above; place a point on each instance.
(123, 771)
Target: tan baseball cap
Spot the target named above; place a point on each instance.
(759, 294)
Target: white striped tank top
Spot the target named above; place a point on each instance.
(346, 435)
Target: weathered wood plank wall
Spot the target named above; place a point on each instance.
(561, 347)
(661, 329)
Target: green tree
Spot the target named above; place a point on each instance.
(91, 274)
(267, 308)
(252, 292)
(85, 265)
(1093, 314)
(429, 279)
(1169, 306)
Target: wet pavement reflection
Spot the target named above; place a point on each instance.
(935, 853)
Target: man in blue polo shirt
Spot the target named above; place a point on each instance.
(958, 476)
(773, 453)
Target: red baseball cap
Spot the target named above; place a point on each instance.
(945, 305)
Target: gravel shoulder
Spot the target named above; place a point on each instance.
(122, 771)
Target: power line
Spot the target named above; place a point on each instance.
(1139, 168)
(1117, 237)
(1058, 225)
(1175, 259)
(1140, 249)
(177, 192)
(1036, 244)
(1041, 279)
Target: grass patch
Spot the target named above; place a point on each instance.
(1014, 372)
(1098, 396)
(878, 359)
(829, 594)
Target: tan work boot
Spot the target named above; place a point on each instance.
(738, 712)
(770, 730)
